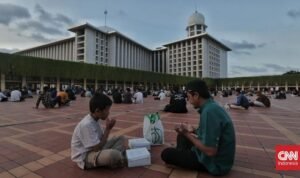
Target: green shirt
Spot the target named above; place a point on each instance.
(216, 130)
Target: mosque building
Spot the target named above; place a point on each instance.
(197, 55)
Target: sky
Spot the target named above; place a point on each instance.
(264, 35)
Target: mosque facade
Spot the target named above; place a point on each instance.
(198, 54)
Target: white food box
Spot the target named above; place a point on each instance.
(139, 143)
(138, 157)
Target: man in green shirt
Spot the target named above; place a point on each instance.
(210, 147)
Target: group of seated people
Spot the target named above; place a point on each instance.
(50, 98)
(15, 95)
(243, 102)
(127, 97)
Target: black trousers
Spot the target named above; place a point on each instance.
(182, 155)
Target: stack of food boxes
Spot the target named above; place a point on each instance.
(138, 154)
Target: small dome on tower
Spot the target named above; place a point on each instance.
(196, 19)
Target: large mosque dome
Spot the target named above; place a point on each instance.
(196, 19)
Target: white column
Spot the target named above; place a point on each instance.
(258, 87)
(24, 81)
(297, 87)
(106, 85)
(2, 82)
(286, 86)
(124, 85)
(58, 84)
(72, 82)
(42, 84)
(96, 84)
(84, 83)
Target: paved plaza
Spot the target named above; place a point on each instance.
(36, 143)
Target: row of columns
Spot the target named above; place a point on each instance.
(58, 83)
(258, 86)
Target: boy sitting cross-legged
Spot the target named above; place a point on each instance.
(90, 146)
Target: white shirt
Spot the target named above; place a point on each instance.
(139, 98)
(15, 95)
(87, 134)
(162, 95)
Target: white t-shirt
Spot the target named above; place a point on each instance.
(15, 95)
(87, 134)
(139, 98)
(162, 95)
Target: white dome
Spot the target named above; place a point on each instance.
(196, 19)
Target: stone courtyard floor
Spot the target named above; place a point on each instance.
(36, 143)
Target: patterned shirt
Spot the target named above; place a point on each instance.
(46, 100)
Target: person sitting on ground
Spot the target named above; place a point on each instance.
(53, 92)
(224, 93)
(16, 95)
(46, 99)
(29, 93)
(24, 92)
(90, 146)
(161, 95)
(281, 95)
(127, 96)
(211, 146)
(177, 102)
(88, 92)
(261, 101)
(242, 101)
(64, 98)
(71, 94)
(117, 96)
(3, 97)
(138, 97)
